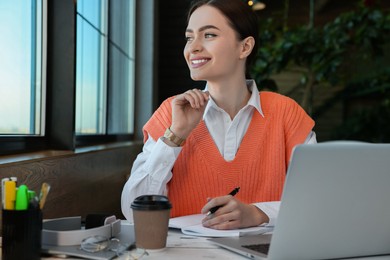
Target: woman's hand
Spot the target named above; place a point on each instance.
(187, 111)
(232, 214)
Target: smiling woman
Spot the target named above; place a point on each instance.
(200, 144)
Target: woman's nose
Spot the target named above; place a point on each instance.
(195, 46)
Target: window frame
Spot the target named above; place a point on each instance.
(17, 143)
(59, 120)
(60, 46)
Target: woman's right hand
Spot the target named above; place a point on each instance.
(187, 111)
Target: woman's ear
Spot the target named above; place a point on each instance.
(247, 46)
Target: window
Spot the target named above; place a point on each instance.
(66, 84)
(91, 66)
(22, 68)
(121, 73)
(105, 67)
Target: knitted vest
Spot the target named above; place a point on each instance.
(260, 164)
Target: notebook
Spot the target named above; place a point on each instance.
(335, 204)
(192, 225)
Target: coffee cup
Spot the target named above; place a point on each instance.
(151, 217)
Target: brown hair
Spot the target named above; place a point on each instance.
(240, 16)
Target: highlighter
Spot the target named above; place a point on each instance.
(9, 194)
(22, 198)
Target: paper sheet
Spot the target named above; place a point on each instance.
(191, 225)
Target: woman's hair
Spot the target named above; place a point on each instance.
(240, 17)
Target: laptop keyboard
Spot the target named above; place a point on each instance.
(261, 248)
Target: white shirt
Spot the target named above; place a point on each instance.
(152, 169)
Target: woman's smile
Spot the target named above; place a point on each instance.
(199, 62)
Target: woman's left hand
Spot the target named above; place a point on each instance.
(232, 214)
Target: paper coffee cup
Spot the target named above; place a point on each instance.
(151, 217)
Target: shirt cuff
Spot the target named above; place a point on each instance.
(161, 159)
(271, 209)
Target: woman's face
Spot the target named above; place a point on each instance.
(212, 50)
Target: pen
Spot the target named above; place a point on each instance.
(214, 209)
(43, 194)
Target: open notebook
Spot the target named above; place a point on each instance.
(192, 225)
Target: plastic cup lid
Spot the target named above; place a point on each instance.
(151, 202)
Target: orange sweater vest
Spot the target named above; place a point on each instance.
(259, 167)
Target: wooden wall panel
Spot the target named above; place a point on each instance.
(81, 183)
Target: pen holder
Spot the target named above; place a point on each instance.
(22, 231)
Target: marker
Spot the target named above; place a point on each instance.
(22, 198)
(9, 193)
(3, 188)
(31, 195)
(214, 209)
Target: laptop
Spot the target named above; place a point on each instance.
(335, 204)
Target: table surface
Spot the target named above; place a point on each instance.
(180, 245)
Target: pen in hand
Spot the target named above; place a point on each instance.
(214, 209)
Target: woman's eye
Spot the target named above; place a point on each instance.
(209, 35)
(188, 38)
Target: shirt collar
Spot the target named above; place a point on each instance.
(253, 101)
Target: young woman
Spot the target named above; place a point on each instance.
(200, 145)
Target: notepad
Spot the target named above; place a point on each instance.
(192, 225)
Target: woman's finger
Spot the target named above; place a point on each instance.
(195, 97)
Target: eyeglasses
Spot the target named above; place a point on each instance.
(96, 244)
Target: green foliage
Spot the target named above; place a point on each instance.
(370, 125)
(371, 122)
(324, 56)
(322, 51)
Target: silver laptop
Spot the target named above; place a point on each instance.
(335, 204)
